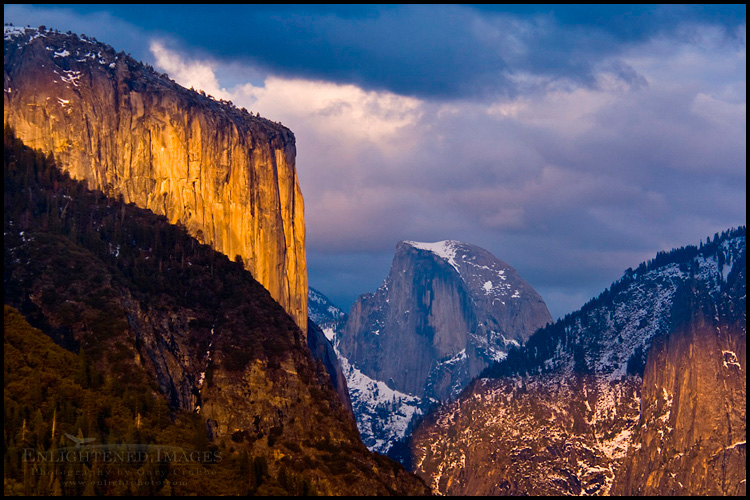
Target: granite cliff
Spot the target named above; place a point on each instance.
(446, 311)
(641, 391)
(692, 432)
(443, 314)
(227, 176)
(168, 343)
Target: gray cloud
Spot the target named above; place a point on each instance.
(577, 185)
(570, 142)
(445, 51)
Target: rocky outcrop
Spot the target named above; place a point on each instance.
(323, 320)
(384, 416)
(545, 435)
(642, 391)
(227, 176)
(691, 437)
(322, 312)
(445, 311)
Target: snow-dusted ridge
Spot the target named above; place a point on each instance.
(488, 279)
(634, 310)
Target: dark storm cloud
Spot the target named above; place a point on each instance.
(572, 142)
(427, 51)
(628, 23)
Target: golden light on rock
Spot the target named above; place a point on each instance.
(228, 177)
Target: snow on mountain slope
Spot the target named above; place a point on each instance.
(324, 313)
(445, 311)
(610, 331)
(483, 273)
(383, 415)
(641, 391)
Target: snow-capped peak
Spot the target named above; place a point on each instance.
(481, 271)
(445, 249)
(10, 32)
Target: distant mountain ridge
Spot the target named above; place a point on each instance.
(631, 312)
(324, 313)
(445, 311)
(383, 415)
(641, 391)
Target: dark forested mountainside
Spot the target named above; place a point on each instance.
(633, 309)
(641, 391)
(53, 397)
(177, 346)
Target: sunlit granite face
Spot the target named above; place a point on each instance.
(227, 176)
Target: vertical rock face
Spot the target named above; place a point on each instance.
(692, 432)
(445, 311)
(641, 391)
(227, 176)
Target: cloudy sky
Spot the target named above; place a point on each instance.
(571, 142)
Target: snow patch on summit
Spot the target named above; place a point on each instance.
(446, 249)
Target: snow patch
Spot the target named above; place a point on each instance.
(735, 445)
(379, 410)
(71, 76)
(446, 250)
(330, 333)
(730, 358)
(13, 31)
